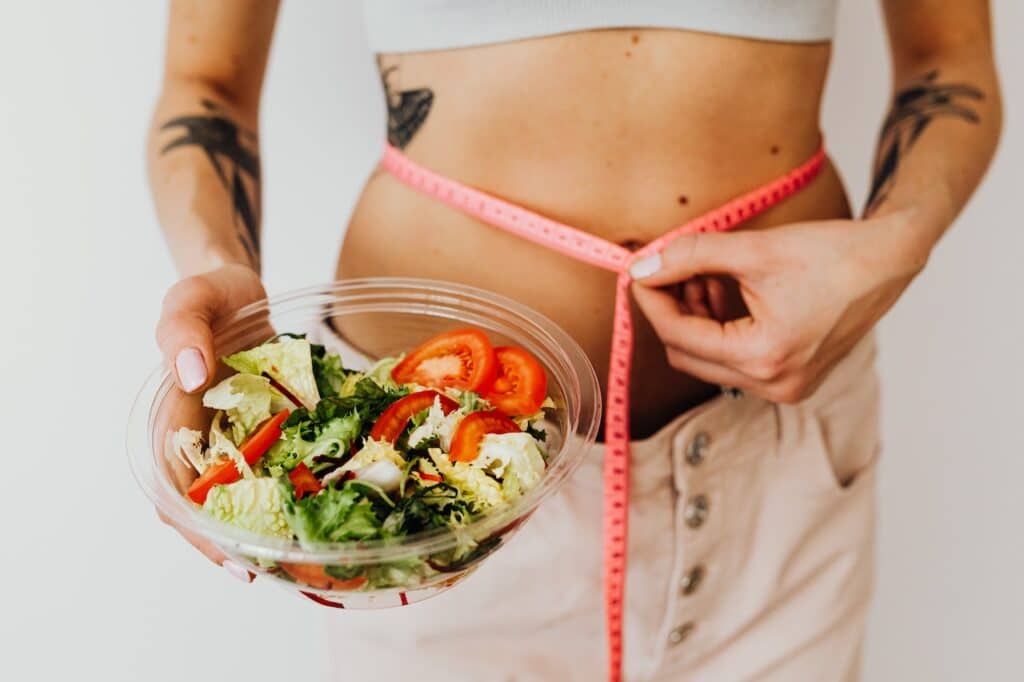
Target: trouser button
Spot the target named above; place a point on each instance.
(691, 581)
(697, 450)
(677, 635)
(696, 511)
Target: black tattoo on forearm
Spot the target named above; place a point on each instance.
(407, 110)
(231, 151)
(912, 110)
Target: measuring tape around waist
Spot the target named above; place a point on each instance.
(588, 248)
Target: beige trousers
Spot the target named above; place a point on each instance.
(748, 560)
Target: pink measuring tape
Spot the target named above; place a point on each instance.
(603, 254)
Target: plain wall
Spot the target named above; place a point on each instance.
(93, 587)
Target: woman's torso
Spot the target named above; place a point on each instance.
(624, 133)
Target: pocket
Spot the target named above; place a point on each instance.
(843, 434)
(839, 424)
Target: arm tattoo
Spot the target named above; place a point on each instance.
(912, 110)
(407, 110)
(229, 149)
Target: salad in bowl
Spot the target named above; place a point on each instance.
(372, 481)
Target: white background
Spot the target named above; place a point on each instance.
(93, 587)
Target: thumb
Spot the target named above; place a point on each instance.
(730, 253)
(185, 334)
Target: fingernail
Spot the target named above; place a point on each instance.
(238, 571)
(646, 266)
(191, 368)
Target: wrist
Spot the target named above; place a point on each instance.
(905, 238)
(212, 257)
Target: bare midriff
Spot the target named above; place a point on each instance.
(623, 133)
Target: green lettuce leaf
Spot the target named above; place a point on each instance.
(332, 515)
(472, 402)
(288, 361)
(381, 372)
(332, 378)
(367, 398)
(303, 438)
(436, 506)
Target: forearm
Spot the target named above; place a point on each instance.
(204, 174)
(936, 143)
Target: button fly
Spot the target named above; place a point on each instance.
(696, 511)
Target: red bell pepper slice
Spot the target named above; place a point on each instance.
(224, 471)
(304, 481)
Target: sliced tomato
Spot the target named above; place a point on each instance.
(462, 359)
(304, 481)
(314, 575)
(430, 477)
(520, 385)
(472, 429)
(225, 471)
(395, 418)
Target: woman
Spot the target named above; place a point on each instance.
(751, 510)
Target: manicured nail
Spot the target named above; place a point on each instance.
(238, 571)
(646, 266)
(191, 368)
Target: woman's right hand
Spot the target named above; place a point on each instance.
(191, 308)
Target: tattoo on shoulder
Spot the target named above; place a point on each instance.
(407, 109)
(230, 150)
(913, 109)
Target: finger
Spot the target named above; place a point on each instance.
(703, 253)
(208, 549)
(682, 306)
(717, 299)
(695, 293)
(211, 552)
(722, 343)
(184, 333)
(710, 372)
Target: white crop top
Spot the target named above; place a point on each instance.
(416, 25)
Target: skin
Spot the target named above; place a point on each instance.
(601, 149)
(624, 133)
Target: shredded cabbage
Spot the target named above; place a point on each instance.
(473, 483)
(254, 504)
(437, 424)
(287, 361)
(513, 457)
(248, 400)
(187, 445)
(221, 445)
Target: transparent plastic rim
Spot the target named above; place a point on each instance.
(557, 351)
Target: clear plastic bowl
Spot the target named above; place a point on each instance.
(379, 317)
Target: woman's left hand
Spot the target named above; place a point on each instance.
(812, 291)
